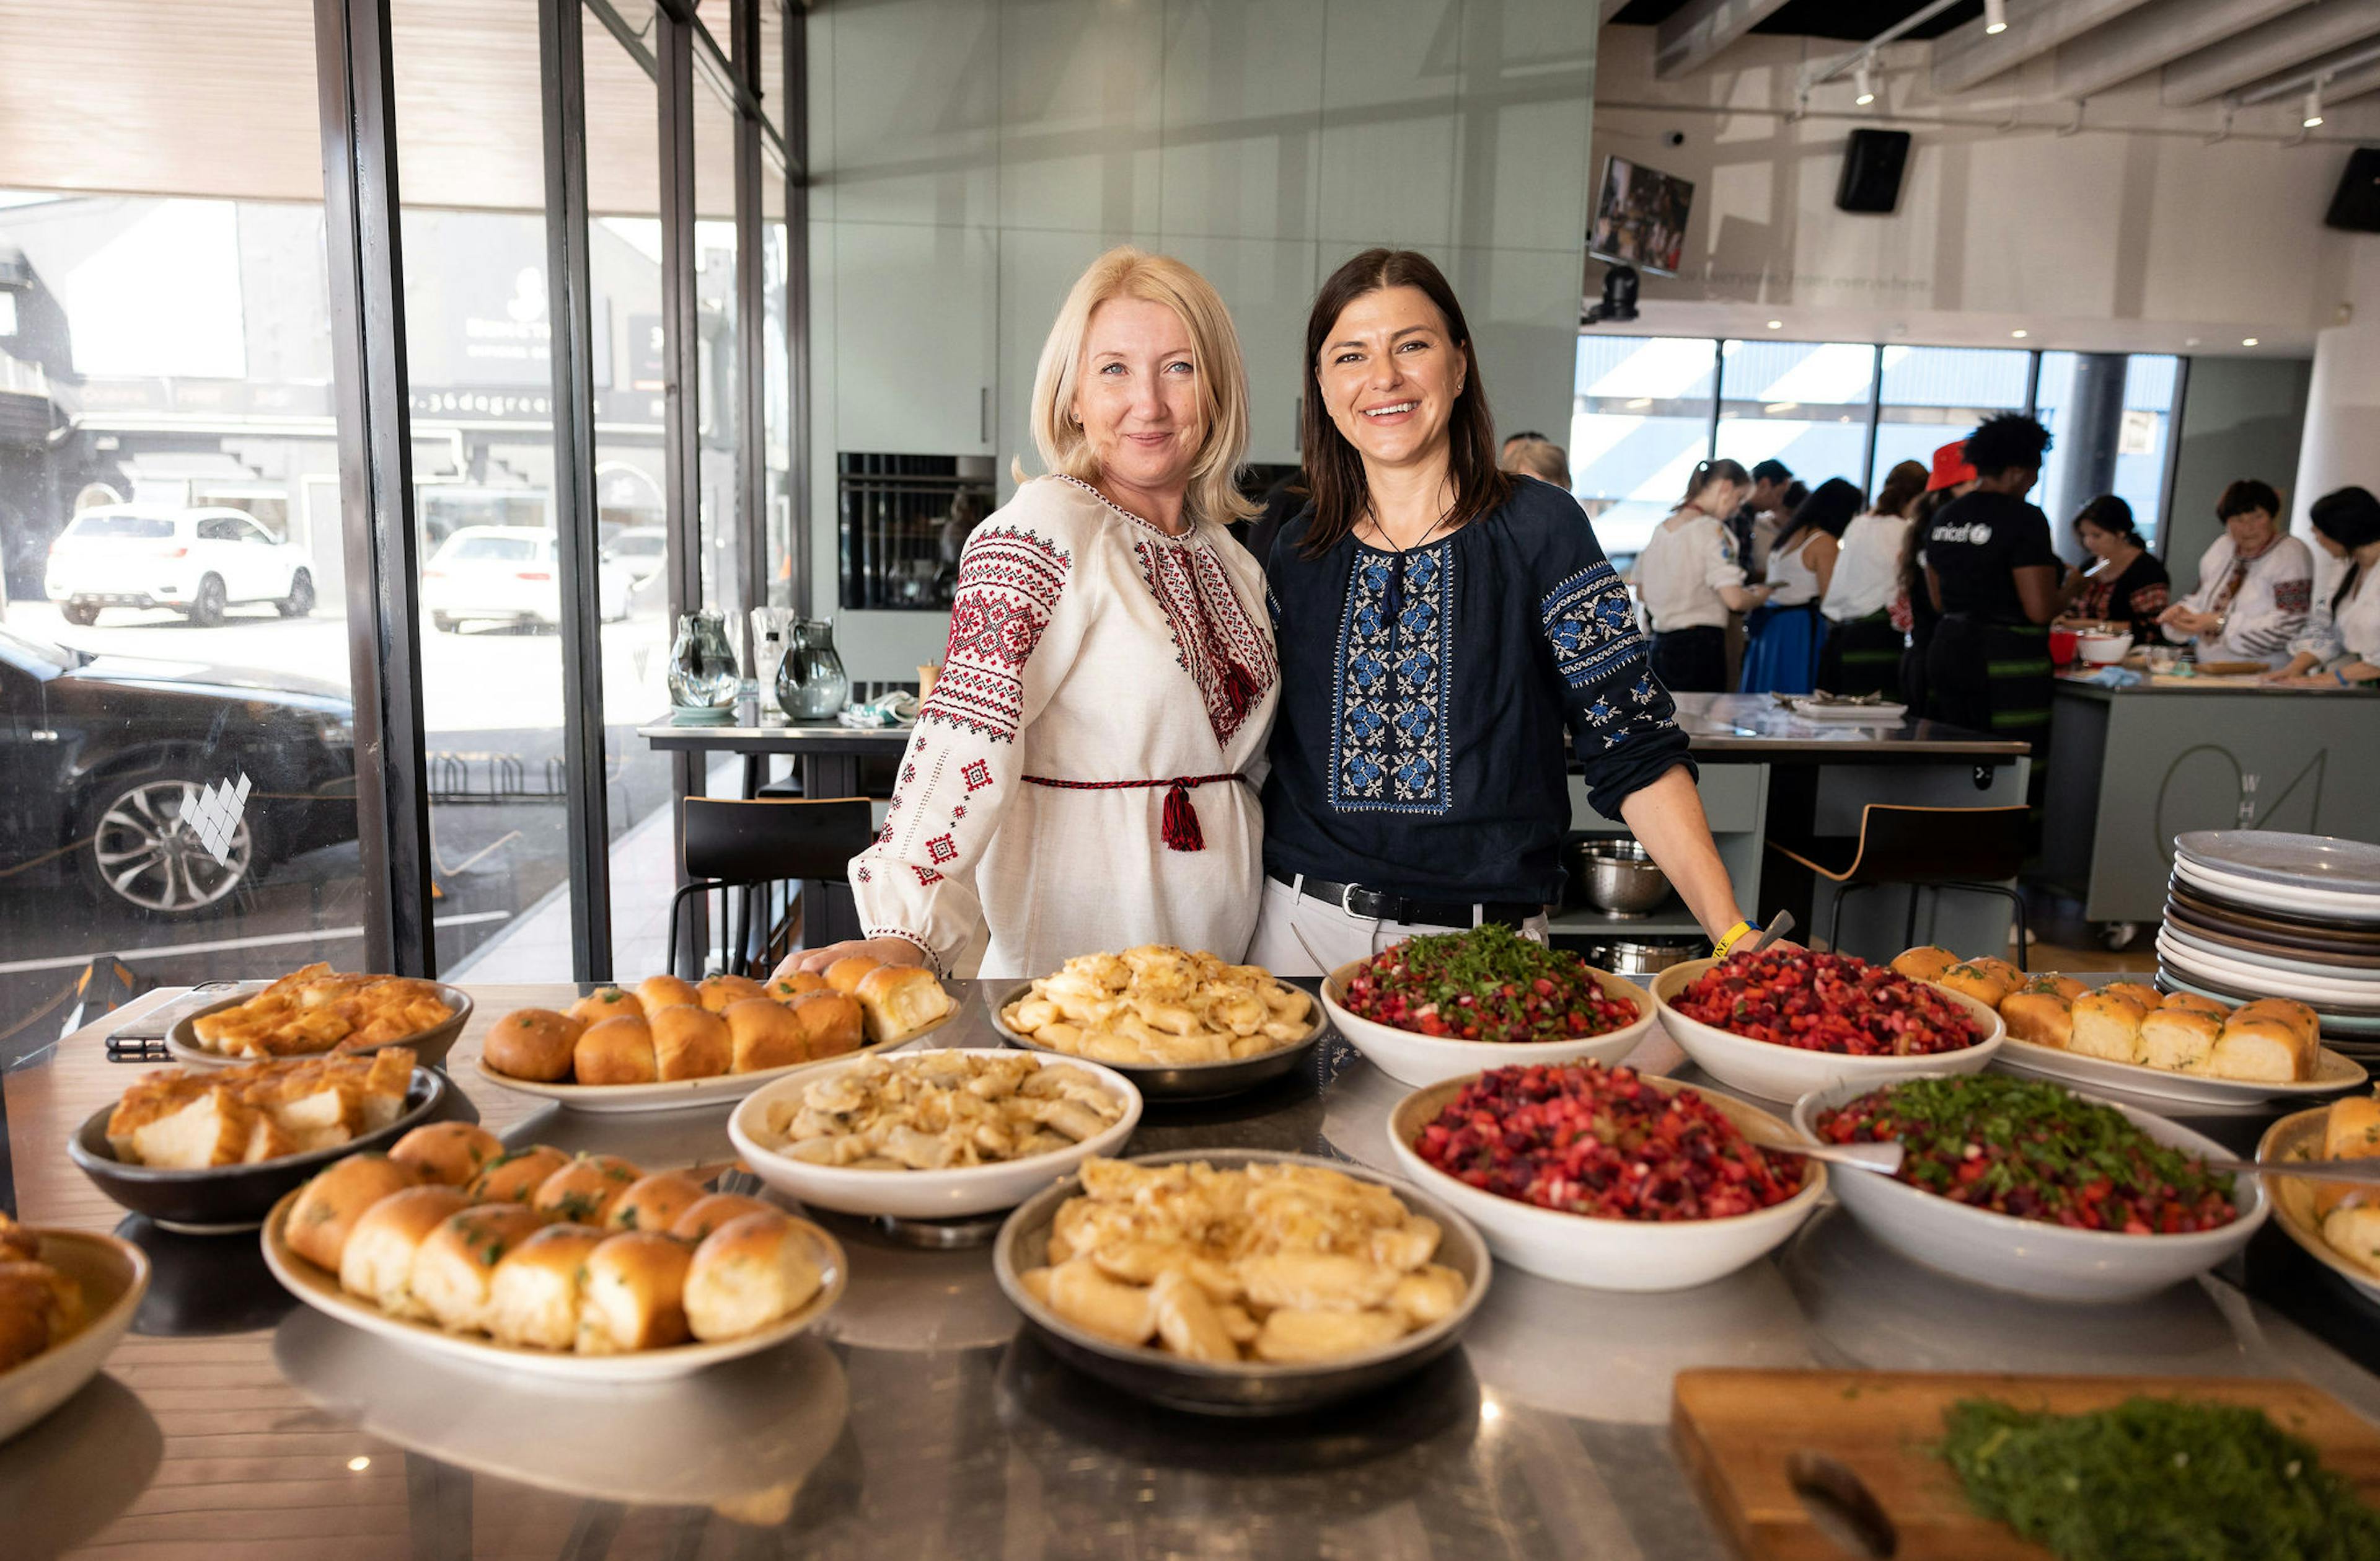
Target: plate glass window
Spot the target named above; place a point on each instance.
(1640, 421)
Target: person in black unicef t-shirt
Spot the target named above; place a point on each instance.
(1991, 570)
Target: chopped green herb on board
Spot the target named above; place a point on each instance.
(2157, 1480)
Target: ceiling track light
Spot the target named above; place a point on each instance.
(2314, 104)
(1995, 16)
(1865, 76)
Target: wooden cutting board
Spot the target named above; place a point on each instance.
(1738, 1429)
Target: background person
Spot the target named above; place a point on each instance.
(2255, 584)
(2125, 582)
(1534, 455)
(1862, 651)
(1769, 522)
(1765, 497)
(2341, 642)
(1951, 478)
(1783, 637)
(1448, 634)
(1690, 578)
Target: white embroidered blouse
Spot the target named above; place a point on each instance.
(2265, 601)
(1091, 656)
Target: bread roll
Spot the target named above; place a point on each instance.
(378, 1262)
(1972, 981)
(2148, 998)
(328, 1207)
(2303, 1020)
(716, 992)
(633, 1297)
(832, 1023)
(2262, 1047)
(654, 1202)
(749, 1272)
(533, 1043)
(901, 1000)
(514, 1177)
(2353, 1232)
(2000, 968)
(2043, 1018)
(455, 1268)
(534, 1298)
(666, 992)
(2106, 1024)
(615, 1051)
(2191, 1002)
(1925, 962)
(448, 1153)
(714, 1210)
(2351, 1132)
(584, 1191)
(606, 1002)
(846, 973)
(2061, 986)
(794, 983)
(692, 1043)
(764, 1034)
(2178, 1039)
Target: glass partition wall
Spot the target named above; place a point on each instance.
(342, 424)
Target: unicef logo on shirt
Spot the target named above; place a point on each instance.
(1978, 533)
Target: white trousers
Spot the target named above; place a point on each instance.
(1294, 929)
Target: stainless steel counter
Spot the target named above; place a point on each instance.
(919, 1423)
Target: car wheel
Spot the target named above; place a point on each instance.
(443, 622)
(140, 849)
(300, 600)
(207, 608)
(83, 615)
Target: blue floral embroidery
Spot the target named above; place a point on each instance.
(1390, 743)
(1592, 626)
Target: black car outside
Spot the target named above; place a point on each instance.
(103, 760)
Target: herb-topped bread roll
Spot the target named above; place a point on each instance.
(2064, 986)
(2265, 1043)
(455, 1271)
(617, 1051)
(749, 1272)
(2346, 1211)
(378, 1262)
(584, 1191)
(1925, 962)
(606, 1002)
(719, 991)
(2146, 997)
(846, 973)
(449, 1153)
(901, 1000)
(2043, 1018)
(534, 1299)
(328, 1207)
(2179, 1040)
(1974, 980)
(794, 984)
(762, 1035)
(654, 1202)
(832, 1023)
(534, 1044)
(633, 1297)
(715, 1209)
(2106, 1024)
(515, 1176)
(2192, 1003)
(657, 992)
(692, 1043)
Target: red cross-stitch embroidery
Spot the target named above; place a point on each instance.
(941, 848)
(1009, 584)
(1211, 635)
(977, 774)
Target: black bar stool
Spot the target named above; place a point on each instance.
(736, 846)
(1935, 848)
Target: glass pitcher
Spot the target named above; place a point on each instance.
(811, 685)
(702, 664)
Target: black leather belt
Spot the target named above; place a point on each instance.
(1376, 904)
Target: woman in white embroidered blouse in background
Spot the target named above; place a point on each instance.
(1084, 775)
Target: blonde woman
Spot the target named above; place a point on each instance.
(1080, 778)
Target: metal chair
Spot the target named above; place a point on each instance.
(736, 847)
(1935, 848)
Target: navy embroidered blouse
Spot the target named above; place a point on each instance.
(1426, 702)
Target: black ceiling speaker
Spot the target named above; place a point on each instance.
(1872, 168)
(2356, 207)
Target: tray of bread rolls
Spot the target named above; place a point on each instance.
(2337, 1223)
(2129, 1036)
(531, 1259)
(668, 1044)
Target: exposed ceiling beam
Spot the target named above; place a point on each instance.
(2353, 84)
(2335, 66)
(2294, 39)
(1967, 55)
(1695, 32)
(2140, 41)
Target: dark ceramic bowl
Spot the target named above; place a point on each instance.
(1161, 1084)
(230, 1198)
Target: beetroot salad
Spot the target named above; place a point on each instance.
(1826, 1003)
(1583, 1139)
(2036, 1151)
(1485, 984)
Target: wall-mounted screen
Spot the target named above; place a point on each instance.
(1640, 219)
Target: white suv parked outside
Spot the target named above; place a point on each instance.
(198, 561)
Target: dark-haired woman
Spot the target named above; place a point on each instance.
(1445, 630)
(2255, 584)
(2341, 644)
(1689, 576)
(2126, 583)
(1861, 654)
(1782, 636)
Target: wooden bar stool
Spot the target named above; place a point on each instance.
(1971, 849)
(736, 846)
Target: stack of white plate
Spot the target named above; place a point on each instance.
(2253, 914)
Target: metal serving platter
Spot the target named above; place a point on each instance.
(1192, 1081)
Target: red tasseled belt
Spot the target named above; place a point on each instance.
(1180, 829)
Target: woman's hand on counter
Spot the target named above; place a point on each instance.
(885, 951)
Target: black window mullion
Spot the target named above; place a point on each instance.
(1719, 391)
(795, 120)
(1874, 415)
(681, 427)
(751, 359)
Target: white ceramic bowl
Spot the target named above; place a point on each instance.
(113, 1275)
(2103, 650)
(1610, 1254)
(1787, 1073)
(1410, 1057)
(2032, 1257)
(916, 1195)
